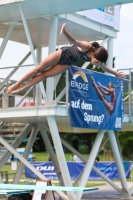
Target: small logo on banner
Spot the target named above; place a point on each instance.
(109, 13)
(109, 10)
(77, 74)
(80, 84)
(101, 9)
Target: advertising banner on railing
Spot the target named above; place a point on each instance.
(109, 15)
(96, 100)
(75, 168)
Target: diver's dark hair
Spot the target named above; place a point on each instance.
(100, 52)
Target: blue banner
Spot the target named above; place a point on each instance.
(75, 168)
(96, 100)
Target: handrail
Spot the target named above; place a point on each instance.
(65, 91)
(127, 96)
(17, 66)
(129, 88)
(24, 97)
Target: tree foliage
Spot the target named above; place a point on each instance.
(126, 142)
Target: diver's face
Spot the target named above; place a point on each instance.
(109, 85)
(94, 61)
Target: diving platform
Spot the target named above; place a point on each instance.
(38, 114)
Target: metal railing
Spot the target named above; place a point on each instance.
(64, 92)
(4, 85)
(130, 92)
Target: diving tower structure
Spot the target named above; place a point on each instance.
(38, 24)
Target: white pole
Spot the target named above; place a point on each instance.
(50, 151)
(8, 34)
(90, 162)
(26, 153)
(118, 161)
(26, 163)
(61, 95)
(52, 48)
(110, 52)
(38, 89)
(68, 146)
(31, 45)
(60, 155)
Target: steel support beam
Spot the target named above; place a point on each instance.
(90, 162)
(24, 97)
(131, 191)
(103, 143)
(110, 52)
(51, 153)
(26, 130)
(52, 48)
(38, 89)
(57, 78)
(31, 45)
(129, 92)
(67, 89)
(78, 179)
(26, 153)
(8, 34)
(118, 161)
(30, 166)
(74, 151)
(60, 96)
(118, 143)
(60, 155)
(4, 98)
(91, 24)
(104, 41)
(1, 180)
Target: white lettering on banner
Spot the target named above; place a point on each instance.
(75, 104)
(86, 106)
(84, 86)
(109, 18)
(45, 168)
(93, 118)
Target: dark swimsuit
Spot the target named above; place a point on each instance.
(71, 54)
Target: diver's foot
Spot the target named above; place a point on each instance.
(11, 88)
(17, 90)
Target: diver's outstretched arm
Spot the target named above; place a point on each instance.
(84, 45)
(106, 88)
(111, 71)
(103, 91)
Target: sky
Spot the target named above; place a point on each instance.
(123, 47)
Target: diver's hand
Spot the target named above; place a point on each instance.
(120, 75)
(63, 28)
